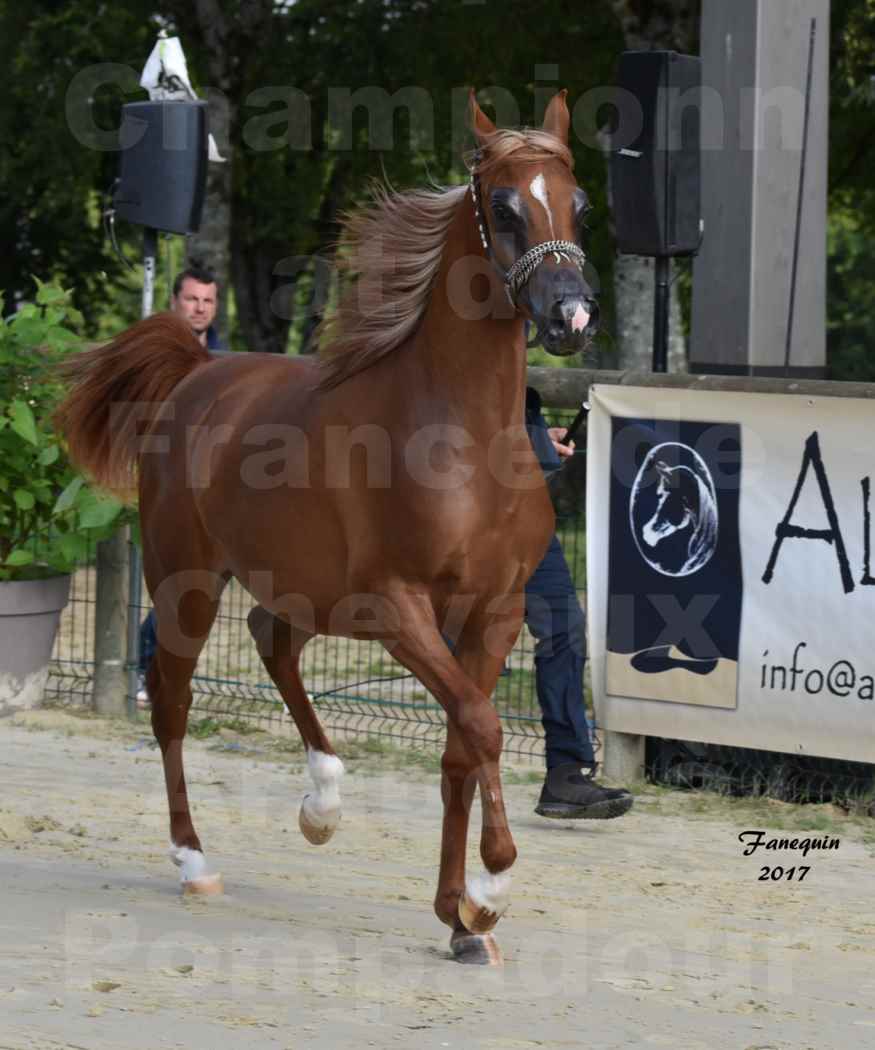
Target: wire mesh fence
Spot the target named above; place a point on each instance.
(71, 673)
(357, 688)
(745, 772)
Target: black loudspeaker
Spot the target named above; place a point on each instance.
(163, 165)
(655, 177)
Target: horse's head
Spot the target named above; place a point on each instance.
(677, 503)
(530, 211)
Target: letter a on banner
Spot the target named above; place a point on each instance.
(784, 530)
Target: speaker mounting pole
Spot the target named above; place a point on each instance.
(161, 186)
(150, 262)
(135, 564)
(661, 303)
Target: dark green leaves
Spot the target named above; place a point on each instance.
(22, 421)
(49, 516)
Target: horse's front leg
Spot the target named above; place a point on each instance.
(487, 896)
(458, 783)
(472, 757)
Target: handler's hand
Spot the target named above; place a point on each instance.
(563, 450)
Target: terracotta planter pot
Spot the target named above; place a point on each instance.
(29, 615)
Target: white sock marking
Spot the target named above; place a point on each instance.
(322, 807)
(191, 862)
(490, 891)
(538, 189)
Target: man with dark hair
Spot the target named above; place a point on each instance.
(195, 299)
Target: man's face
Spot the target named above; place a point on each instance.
(196, 304)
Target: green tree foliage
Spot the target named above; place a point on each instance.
(322, 95)
(351, 66)
(50, 183)
(850, 298)
(851, 260)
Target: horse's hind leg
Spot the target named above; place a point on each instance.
(183, 621)
(279, 646)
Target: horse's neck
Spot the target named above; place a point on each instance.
(475, 366)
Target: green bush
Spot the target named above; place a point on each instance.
(49, 515)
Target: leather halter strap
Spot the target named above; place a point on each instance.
(516, 278)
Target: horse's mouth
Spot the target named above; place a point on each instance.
(564, 325)
(653, 534)
(559, 340)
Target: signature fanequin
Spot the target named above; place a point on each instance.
(756, 839)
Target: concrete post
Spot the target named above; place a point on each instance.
(623, 759)
(109, 693)
(754, 65)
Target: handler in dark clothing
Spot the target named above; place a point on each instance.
(554, 617)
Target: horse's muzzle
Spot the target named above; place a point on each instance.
(564, 310)
(571, 323)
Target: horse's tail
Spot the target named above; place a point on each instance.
(117, 392)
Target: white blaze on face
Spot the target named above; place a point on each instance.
(538, 189)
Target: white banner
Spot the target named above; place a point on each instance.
(730, 595)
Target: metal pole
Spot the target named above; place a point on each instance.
(135, 562)
(660, 314)
(799, 201)
(116, 649)
(150, 257)
(135, 600)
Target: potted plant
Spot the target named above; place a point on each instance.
(49, 516)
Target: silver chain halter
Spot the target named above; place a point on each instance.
(518, 275)
(525, 266)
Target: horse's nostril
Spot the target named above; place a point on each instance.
(580, 318)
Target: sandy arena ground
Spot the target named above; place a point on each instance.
(648, 931)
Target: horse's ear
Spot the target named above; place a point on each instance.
(666, 474)
(556, 118)
(481, 125)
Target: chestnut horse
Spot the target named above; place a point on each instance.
(386, 491)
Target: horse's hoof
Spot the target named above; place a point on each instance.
(205, 886)
(312, 828)
(475, 949)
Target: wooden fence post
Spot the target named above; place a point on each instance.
(109, 692)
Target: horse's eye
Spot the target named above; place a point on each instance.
(502, 213)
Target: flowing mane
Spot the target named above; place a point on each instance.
(391, 248)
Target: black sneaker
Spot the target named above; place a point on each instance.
(569, 793)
